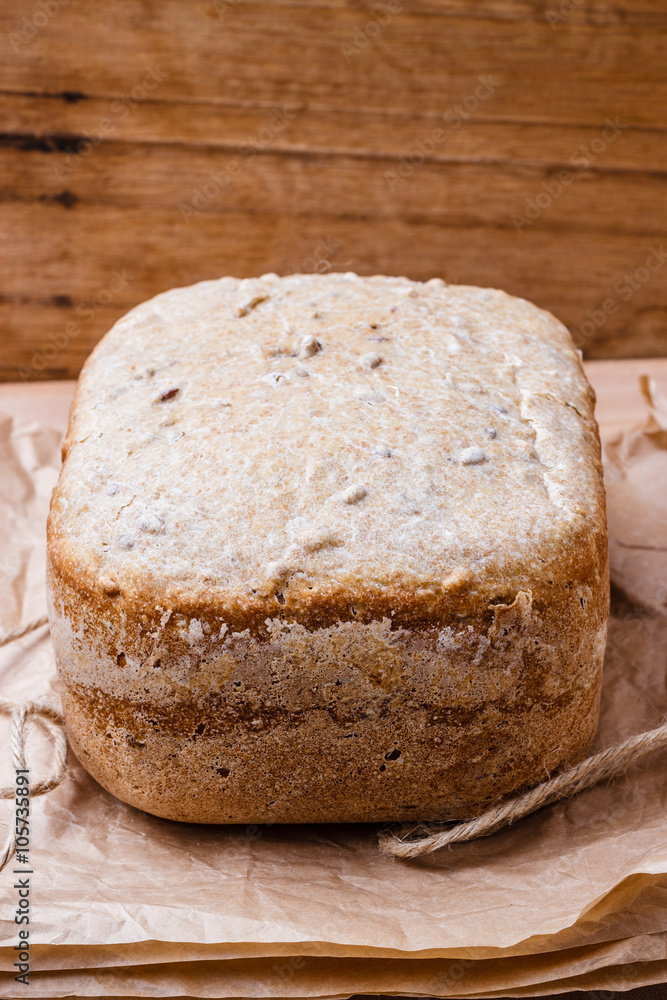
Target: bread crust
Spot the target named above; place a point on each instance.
(396, 636)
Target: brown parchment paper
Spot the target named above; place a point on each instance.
(29, 463)
(638, 908)
(127, 889)
(619, 965)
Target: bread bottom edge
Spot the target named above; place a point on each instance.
(377, 771)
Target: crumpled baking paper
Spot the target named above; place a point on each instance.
(573, 897)
(318, 977)
(636, 475)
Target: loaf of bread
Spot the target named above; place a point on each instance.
(329, 548)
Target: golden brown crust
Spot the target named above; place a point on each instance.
(392, 724)
(391, 636)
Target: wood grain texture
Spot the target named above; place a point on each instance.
(258, 53)
(60, 123)
(148, 144)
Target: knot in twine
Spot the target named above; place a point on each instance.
(52, 721)
(608, 763)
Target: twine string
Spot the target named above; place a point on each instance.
(50, 719)
(608, 763)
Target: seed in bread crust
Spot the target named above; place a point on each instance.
(472, 456)
(169, 394)
(277, 571)
(353, 494)
(249, 306)
(309, 346)
(370, 360)
(315, 540)
(152, 524)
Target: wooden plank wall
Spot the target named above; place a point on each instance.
(520, 144)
